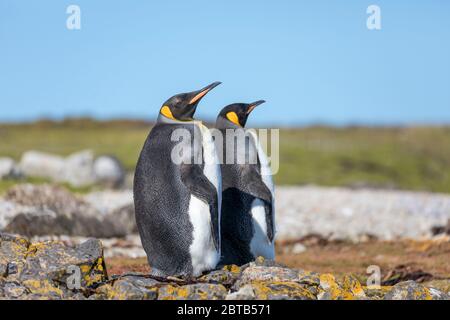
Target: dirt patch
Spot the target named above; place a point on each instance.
(428, 257)
(119, 266)
(401, 260)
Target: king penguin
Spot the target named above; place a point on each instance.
(248, 212)
(177, 196)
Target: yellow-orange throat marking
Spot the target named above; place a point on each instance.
(165, 111)
(233, 117)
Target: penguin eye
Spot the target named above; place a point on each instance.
(233, 117)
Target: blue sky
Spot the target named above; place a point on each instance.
(313, 61)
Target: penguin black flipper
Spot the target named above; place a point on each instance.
(198, 184)
(261, 191)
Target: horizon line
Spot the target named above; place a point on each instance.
(286, 125)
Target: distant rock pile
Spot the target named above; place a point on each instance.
(78, 170)
(326, 213)
(344, 214)
(37, 210)
(52, 270)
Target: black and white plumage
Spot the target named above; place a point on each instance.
(248, 211)
(177, 204)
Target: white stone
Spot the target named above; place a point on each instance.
(109, 170)
(109, 200)
(76, 169)
(298, 248)
(41, 164)
(7, 167)
(8, 210)
(79, 169)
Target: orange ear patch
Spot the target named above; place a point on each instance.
(165, 111)
(233, 117)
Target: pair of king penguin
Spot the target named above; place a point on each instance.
(194, 215)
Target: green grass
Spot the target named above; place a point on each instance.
(416, 158)
(121, 138)
(8, 183)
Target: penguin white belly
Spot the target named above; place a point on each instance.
(266, 173)
(204, 255)
(211, 167)
(260, 244)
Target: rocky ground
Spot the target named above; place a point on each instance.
(346, 214)
(52, 270)
(335, 232)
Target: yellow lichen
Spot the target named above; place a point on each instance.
(327, 280)
(35, 247)
(93, 274)
(100, 264)
(267, 290)
(23, 242)
(232, 268)
(169, 293)
(329, 285)
(424, 295)
(194, 292)
(43, 287)
(85, 268)
(182, 292)
(351, 284)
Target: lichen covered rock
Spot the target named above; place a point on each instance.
(330, 289)
(50, 270)
(224, 277)
(130, 288)
(55, 261)
(440, 284)
(200, 291)
(244, 293)
(410, 290)
(255, 272)
(352, 285)
(279, 290)
(13, 250)
(12, 289)
(53, 270)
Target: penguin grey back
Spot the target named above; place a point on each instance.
(161, 204)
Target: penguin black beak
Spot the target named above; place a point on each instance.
(198, 95)
(253, 105)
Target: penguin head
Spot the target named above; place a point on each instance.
(181, 107)
(236, 114)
